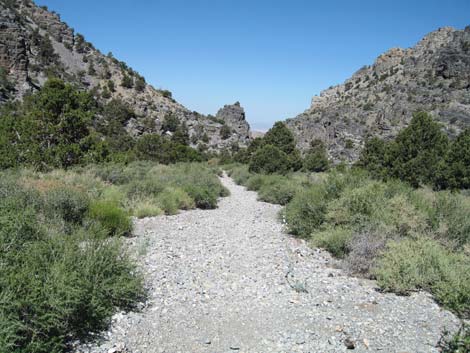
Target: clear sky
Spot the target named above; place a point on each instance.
(271, 55)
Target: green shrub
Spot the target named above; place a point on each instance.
(459, 342)
(335, 240)
(269, 159)
(239, 173)
(307, 210)
(408, 265)
(56, 288)
(451, 211)
(203, 195)
(127, 81)
(60, 289)
(173, 199)
(114, 219)
(146, 209)
(113, 194)
(357, 206)
(278, 190)
(69, 204)
(225, 132)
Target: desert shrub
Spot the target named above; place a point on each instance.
(409, 265)
(114, 194)
(364, 250)
(336, 182)
(335, 240)
(111, 217)
(357, 206)
(239, 173)
(451, 212)
(127, 81)
(279, 190)
(269, 159)
(459, 342)
(307, 210)
(225, 132)
(203, 195)
(403, 218)
(255, 181)
(55, 287)
(69, 204)
(146, 208)
(173, 199)
(59, 289)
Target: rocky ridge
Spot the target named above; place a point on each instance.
(35, 44)
(379, 100)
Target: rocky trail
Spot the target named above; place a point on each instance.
(231, 280)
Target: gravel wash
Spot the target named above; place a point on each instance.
(232, 280)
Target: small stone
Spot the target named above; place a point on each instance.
(349, 343)
(234, 348)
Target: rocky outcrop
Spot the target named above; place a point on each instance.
(379, 100)
(35, 43)
(234, 117)
(13, 49)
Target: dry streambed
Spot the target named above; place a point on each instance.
(230, 280)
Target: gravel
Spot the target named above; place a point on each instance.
(231, 280)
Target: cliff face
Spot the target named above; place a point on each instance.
(35, 43)
(379, 100)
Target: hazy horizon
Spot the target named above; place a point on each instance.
(271, 56)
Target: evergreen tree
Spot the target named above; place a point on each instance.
(316, 159)
(170, 123)
(375, 157)
(270, 159)
(181, 135)
(418, 150)
(127, 81)
(281, 137)
(457, 164)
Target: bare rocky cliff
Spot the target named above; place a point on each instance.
(379, 100)
(36, 44)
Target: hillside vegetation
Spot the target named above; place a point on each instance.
(61, 126)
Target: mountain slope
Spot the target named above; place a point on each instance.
(35, 44)
(380, 99)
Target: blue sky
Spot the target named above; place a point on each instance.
(271, 55)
